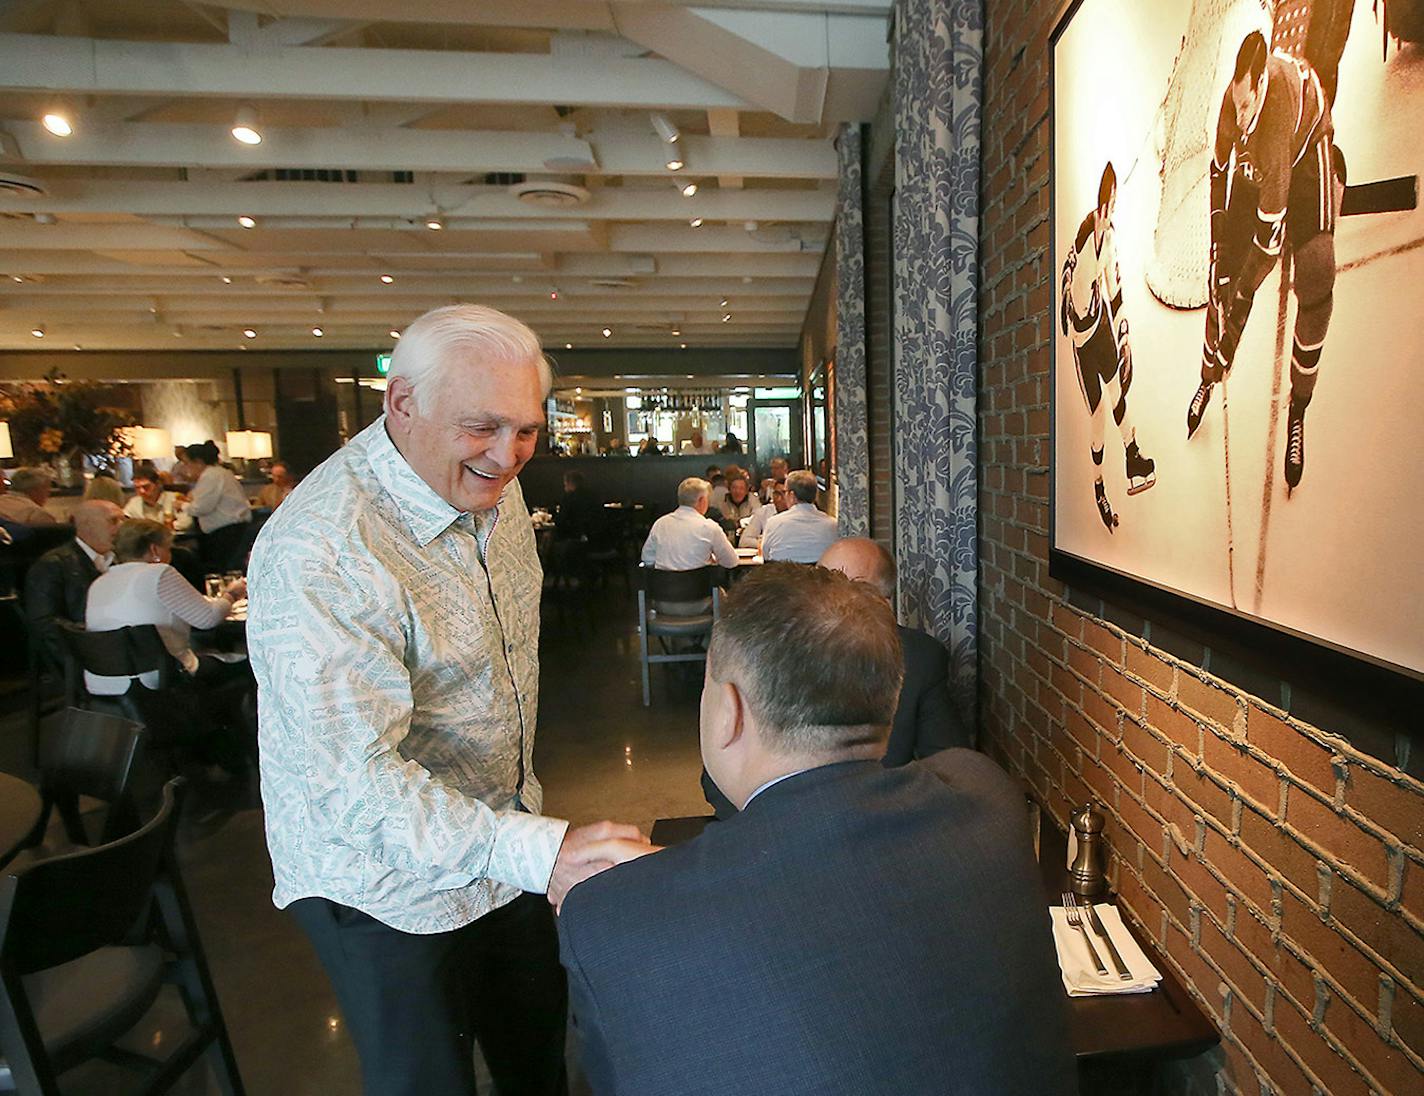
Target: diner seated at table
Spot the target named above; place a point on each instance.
(142, 587)
(57, 584)
(219, 506)
(779, 470)
(151, 502)
(780, 500)
(852, 929)
(580, 512)
(105, 488)
(802, 532)
(738, 502)
(687, 539)
(273, 494)
(24, 503)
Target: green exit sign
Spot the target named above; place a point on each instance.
(383, 364)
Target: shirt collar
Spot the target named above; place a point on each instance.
(425, 512)
(100, 561)
(770, 783)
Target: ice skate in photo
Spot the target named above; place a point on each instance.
(1275, 355)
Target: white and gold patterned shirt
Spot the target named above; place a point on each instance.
(396, 644)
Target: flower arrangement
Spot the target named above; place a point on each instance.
(59, 419)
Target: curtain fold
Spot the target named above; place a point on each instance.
(938, 59)
(852, 439)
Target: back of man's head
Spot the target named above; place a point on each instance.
(30, 481)
(802, 484)
(692, 489)
(864, 560)
(96, 522)
(815, 655)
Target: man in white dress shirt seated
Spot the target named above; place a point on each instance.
(802, 533)
(780, 500)
(687, 539)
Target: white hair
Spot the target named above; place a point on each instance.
(692, 489)
(456, 331)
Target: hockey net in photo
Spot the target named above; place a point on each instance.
(1181, 243)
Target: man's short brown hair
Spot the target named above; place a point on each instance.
(816, 655)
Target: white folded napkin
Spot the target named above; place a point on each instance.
(1080, 976)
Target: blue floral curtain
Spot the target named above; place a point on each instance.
(938, 59)
(852, 443)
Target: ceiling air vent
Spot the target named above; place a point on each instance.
(612, 283)
(283, 281)
(549, 195)
(11, 183)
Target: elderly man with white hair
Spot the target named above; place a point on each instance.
(24, 503)
(394, 632)
(687, 538)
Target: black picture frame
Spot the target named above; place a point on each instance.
(1374, 689)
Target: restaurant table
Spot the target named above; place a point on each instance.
(1165, 1023)
(19, 810)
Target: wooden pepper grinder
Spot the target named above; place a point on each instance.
(1088, 877)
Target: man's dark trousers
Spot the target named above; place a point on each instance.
(415, 1004)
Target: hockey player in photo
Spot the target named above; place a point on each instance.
(1092, 318)
(1275, 127)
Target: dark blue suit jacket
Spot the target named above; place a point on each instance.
(855, 929)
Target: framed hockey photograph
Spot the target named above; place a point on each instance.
(1237, 379)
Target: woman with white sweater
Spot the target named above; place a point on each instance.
(141, 587)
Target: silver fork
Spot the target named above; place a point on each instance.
(1075, 918)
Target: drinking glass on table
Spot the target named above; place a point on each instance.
(213, 585)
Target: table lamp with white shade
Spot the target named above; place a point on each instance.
(6, 452)
(150, 442)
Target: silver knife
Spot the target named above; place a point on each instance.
(1097, 923)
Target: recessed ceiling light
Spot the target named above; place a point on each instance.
(244, 129)
(247, 222)
(677, 331)
(517, 278)
(681, 346)
(434, 223)
(387, 279)
(726, 317)
(675, 164)
(226, 280)
(687, 189)
(393, 333)
(607, 332)
(553, 294)
(38, 331)
(248, 333)
(568, 346)
(17, 277)
(56, 120)
(696, 222)
(722, 303)
(318, 332)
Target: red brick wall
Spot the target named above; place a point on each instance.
(1271, 842)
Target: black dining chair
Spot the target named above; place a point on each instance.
(89, 754)
(675, 605)
(87, 942)
(119, 652)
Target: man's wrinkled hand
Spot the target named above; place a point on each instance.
(588, 850)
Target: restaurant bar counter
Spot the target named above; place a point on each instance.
(649, 481)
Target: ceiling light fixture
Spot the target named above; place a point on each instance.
(393, 333)
(722, 303)
(680, 346)
(244, 129)
(318, 332)
(696, 222)
(386, 279)
(434, 223)
(663, 127)
(677, 331)
(726, 317)
(248, 333)
(56, 119)
(686, 189)
(17, 277)
(554, 294)
(568, 346)
(226, 280)
(247, 222)
(607, 332)
(675, 164)
(38, 331)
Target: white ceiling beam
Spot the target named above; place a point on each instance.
(243, 29)
(640, 237)
(32, 62)
(572, 14)
(136, 236)
(399, 202)
(784, 61)
(724, 122)
(205, 282)
(422, 150)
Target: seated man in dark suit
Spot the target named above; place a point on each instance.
(852, 929)
(926, 720)
(57, 584)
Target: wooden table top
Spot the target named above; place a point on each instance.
(19, 810)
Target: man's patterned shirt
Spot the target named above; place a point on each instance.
(396, 646)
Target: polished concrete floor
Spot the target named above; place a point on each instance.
(599, 754)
